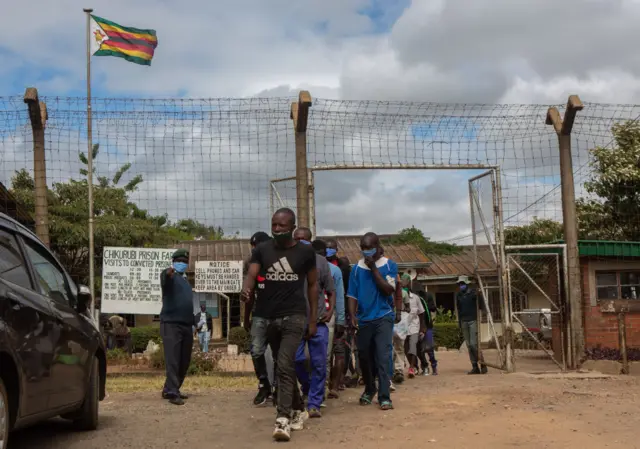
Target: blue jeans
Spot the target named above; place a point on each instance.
(374, 350)
(203, 339)
(313, 385)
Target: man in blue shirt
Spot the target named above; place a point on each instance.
(372, 285)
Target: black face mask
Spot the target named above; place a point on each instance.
(282, 237)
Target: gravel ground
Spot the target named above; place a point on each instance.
(452, 410)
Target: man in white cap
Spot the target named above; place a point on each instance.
(467, 302)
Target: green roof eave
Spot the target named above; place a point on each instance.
(607, 248)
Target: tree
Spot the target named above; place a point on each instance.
(539, 231)
(414, 236)
(614, 213)
(118, 220)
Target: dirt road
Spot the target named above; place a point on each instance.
(452, 410)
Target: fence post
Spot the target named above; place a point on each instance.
(300, 115)
(622, 337)
(563, 129)
(38, 118)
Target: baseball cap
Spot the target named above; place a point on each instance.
(258, 238)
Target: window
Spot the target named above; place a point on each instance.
(50, 277)
(12, 267)
(210, 299)
(618, 285)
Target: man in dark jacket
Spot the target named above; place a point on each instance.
(176, 322)
(203, 321)
(427, 343)
(467, 302)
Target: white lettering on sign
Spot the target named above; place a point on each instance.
(217, 276)
(131, 279)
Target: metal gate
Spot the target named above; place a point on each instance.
(537, 280)
(283, 193)
(494, 326)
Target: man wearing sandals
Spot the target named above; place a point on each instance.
(372, 285)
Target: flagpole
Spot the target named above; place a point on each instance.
(92, 273)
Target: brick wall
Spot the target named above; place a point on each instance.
(601, 329)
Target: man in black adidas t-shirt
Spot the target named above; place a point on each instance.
(288, 264)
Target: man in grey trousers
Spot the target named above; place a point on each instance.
(467, 302)
(176, 324)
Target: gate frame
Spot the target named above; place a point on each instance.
(498, 252)
(494, 171)
(565, 321)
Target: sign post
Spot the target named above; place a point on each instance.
(131, 279)
(218, 276)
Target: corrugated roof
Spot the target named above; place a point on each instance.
(461, 264)
(348, 246)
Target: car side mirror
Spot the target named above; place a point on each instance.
(84, 298)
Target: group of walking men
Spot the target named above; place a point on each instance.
(313, 312)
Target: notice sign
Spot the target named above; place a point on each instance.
(131, 279)
(223, 277)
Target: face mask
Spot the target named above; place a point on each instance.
(180, 267)
(406, 289)
(463, 287)
(305, 242)
(331, 252)
(369, 252)
(282, 237)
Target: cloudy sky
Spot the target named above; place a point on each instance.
(212, 160)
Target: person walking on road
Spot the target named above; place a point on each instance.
(256, 323)
(176, 324)
(372, 291)
(204, 323)
(313, 380)
(288, 266)
(467, 302)
(427, 345)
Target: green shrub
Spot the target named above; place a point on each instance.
(448, 335)
(201, 363)
(445, 316)
(140, 337)
(118, 356)
(239, 336)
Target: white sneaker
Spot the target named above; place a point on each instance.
(392, 387)
(282, 432)
(299, 418)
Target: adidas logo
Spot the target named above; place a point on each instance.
(281, 271)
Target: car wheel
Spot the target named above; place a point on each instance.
(4, 416)
(87, 416)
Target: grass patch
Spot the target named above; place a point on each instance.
(133, 383)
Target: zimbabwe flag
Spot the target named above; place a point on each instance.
(133, 44)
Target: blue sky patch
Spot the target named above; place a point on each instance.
(446, 129)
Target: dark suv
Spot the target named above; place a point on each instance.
(52, 357)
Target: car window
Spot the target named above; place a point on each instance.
(49, 276)
(12, 266)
